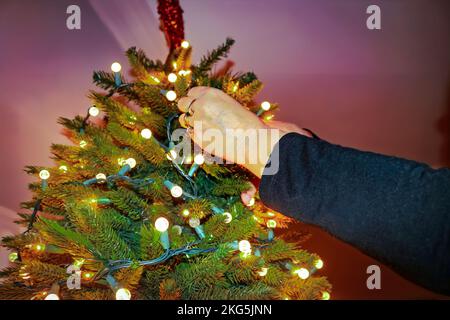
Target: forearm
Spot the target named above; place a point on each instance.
(392, 209)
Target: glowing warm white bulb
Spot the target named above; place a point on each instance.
(94, 111)
(172, 155)
(251, 202)
(177, 229)
(52, 296)
(176, 191)
(194, 222)
(245, 246)
(146, 133)
(116, 67)
(271, 214)
(318, 264)
(123, 294)
(131, 162)
(13, 256)
(172, 77)
(83, 144)
(161, 224)
(100, 176)
(271, 224)
(185, 213)
(185, 44)
(228, 217)
(265, 105)
(325, 295)
(44, 174)
(199, 159)
(63, 168)
(171, 95)
(302, 273)
(263, 272)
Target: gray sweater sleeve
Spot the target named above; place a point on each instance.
(395, 210)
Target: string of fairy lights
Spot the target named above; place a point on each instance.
(161, 224)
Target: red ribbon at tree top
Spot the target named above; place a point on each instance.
(171, 22)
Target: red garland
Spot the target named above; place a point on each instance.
(171, 22)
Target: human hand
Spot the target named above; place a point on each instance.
(214, 115)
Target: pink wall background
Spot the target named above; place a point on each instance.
(385, 91)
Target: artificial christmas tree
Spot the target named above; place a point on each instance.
(122, 215)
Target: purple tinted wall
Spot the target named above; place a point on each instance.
(385, 91)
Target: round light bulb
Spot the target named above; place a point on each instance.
(194, 222)
(228, 217)
(116, 67)
(271, 214)
(271, 224)
(171, 95)
(44, 174)
(172, 77)
(131, 162)
(94, 111)
(63, 168)
(40, 247)
(172, 155)
(52, 296)
(146, 133)
(123, 294)
(199, 159)
(318, 263)
(185, 44)
(251, 202)
(302, 273)
(176, 191)
(177, 229)
(83, 144)
(245, 246)
(161, 224)
(325, 295)
(263, 272)
(265, 106)
(185, 213)
(100, 176)
(13, 256)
